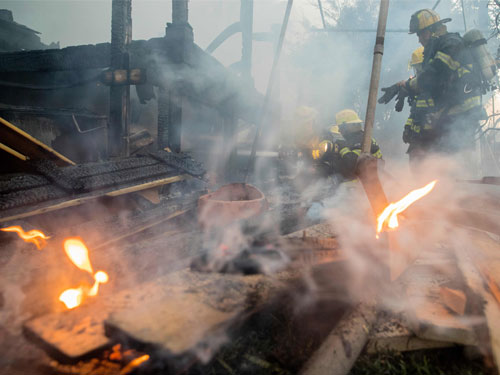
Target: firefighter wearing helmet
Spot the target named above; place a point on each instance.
(417, 130)
(351, 128)
(448, 78)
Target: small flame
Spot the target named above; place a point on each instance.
(78, 253)
(72, 297)
(134, 363)
(390, 214)
(33, 236)
(100, 277)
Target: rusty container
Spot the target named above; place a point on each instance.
(230, 203)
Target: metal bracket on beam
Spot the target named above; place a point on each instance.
(122, 77)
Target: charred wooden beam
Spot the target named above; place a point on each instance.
(119, 97)
(18, 141)
(180, 11)
(70, 58)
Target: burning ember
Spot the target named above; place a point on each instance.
(33, 236)
(78, 253)
(390, 214)
(133, 364)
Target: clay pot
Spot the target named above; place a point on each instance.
(230, 203)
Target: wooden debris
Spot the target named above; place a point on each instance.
(426, 315)
(188, 311)
(391, 334)
(454, 299)
(31, 148)
(71, 335)
(479, 260)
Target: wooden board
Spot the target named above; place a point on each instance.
(426, 315)
(72, 335)
(391, 334)
(24, 144)
(189, 311)
(479, 260)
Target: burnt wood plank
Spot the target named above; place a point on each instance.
(69, 58)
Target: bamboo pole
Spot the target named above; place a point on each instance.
(375, 77)
(367, 165)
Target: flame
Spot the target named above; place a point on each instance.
(134, 363)
(390, 214)
(72, 297)
(33, 236)
(100, 277)
(78, 253)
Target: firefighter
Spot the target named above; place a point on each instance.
(417, 130)
(351, 129)
(325, 155)
(449, 80)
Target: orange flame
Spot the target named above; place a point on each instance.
(100, 277)
(72, 297)
(78, 253)
(33, 236)
(133, 364)
(390, 214)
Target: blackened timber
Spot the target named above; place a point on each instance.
(93, 180)
(69, 58)
(119, 99)
(199, 76)
(181, 162)
(179, 11)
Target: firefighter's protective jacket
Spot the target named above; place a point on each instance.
(351, 149)
(419, 122)
(447, 76)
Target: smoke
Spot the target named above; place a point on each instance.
(328, 70)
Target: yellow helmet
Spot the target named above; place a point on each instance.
(347, 116)
(424, 18)
(417, 57)
(335, 132)
(348, 121)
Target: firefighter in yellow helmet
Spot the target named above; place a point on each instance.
(351, 129)
(448, 78)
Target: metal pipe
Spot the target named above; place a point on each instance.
(435, 5)
(375, 77)
(272, 77)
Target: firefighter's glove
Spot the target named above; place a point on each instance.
(389, 93)
(400, 100)
(407, 134)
